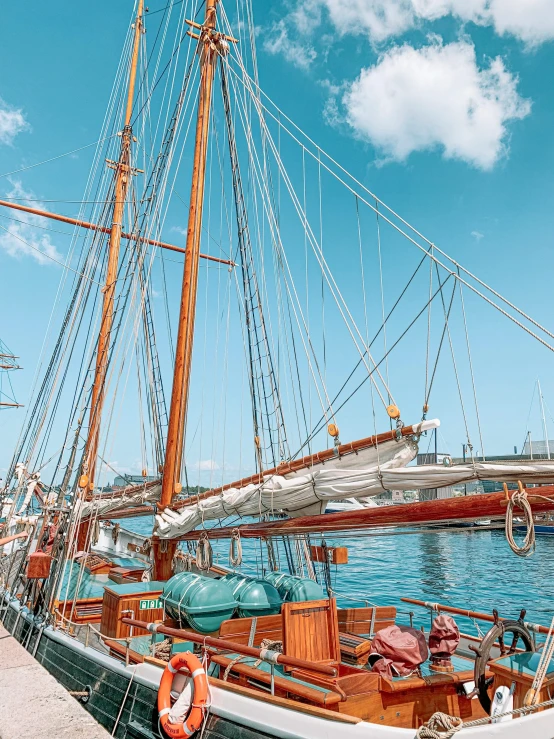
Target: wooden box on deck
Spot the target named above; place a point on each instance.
(128, 597)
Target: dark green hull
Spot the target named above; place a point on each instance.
(76, 670)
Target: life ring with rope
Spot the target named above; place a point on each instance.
(199, 696)
(483, 652)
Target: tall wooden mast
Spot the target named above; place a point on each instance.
(208, 43)
(123, 175)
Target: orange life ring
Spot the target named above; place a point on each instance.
(199, 695)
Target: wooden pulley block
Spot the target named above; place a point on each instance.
(393, 411)
(333, 430)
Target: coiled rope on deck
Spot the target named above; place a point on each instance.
(440, 726)
(433, 724)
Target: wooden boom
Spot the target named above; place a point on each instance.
(231, 646)
(490, 505)
(440, 608)
(105, 229)
(305, 462)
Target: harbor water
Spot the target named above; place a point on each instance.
(471, 568)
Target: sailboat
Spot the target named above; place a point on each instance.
(155, 638)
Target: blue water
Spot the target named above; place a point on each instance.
(470, 569)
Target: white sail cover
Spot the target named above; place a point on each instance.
(297, 493)
(308, 493)
(129, 496)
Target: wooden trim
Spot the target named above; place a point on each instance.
(120, 651)
(327, 697)
(230, 646)
(285, 702)
(440, 607)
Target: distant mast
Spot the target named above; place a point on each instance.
(8, 363)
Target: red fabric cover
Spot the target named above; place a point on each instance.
(403, 649)
(444, 636)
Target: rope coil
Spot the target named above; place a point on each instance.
(235, 549)
(204, 553)
(519, 500)
(440, 726)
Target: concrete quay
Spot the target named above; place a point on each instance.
(34, 704)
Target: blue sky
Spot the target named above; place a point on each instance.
(442, 108)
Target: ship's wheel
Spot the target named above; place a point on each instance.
(518, 630)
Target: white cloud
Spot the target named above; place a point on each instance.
(477, 235)
(278, 41)
(179, 230)
(435, 98)
(24, 239)
(532, 21)
(12, 122)
(205, 465)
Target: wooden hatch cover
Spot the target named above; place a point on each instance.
(311, 631)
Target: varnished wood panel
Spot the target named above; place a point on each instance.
(86, 610)
(283, 684)
(311, 631)
(410, 709)
(238, 629)
(329, 715)
(358, 620)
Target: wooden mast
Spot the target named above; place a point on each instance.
(122, 178)
(171, 485)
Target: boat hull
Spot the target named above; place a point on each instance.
(112, 691)
(128, 696)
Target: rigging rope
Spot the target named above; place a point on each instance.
(456, 265)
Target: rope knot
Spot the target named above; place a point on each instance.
(440, 726)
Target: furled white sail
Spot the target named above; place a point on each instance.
(308, 493)
(297, 493)
(129, 496)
